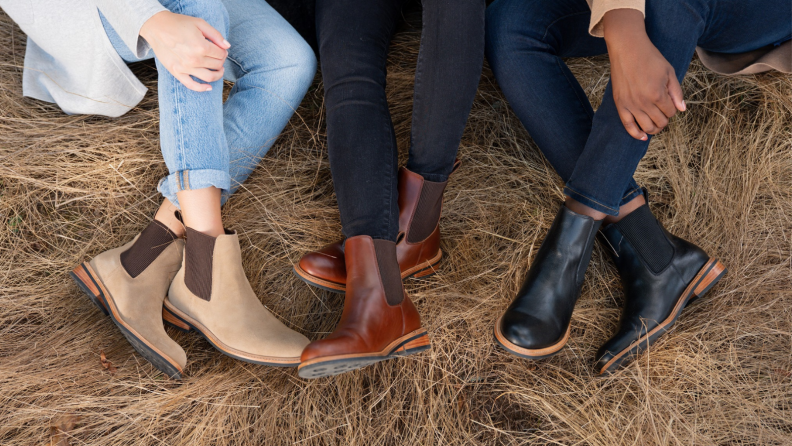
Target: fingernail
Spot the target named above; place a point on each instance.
(644, 138)
(684, 106)
(209, 88)
(227, 43)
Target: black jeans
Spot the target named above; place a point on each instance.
(592, 152)
(354, 36)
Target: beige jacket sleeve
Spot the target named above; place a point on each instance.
(600, 7)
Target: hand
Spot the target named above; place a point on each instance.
(187, 46)
(645, 87)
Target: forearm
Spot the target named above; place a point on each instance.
(624, 30)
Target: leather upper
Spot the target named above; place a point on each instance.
(540, 314)
(139, 300)
(368, 324)
(234, 314)
(328, 262)
(649, 298)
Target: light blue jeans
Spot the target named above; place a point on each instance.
(205, 142)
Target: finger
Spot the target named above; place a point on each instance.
(645, 122)
(658, 117)
(207, 75)
(190, 83)
(666, 106)
(675, 91)
(628, 121)
(213, 51)
(212, 34)
(216, 64)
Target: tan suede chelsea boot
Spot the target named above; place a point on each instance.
(211, 295)
(129, 283)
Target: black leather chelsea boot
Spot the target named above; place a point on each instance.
(536, 324)
(660, 274)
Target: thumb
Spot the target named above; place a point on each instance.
(675, 91)
(213, 35)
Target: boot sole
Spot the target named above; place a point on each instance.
(709, 275)
(176, 318)
(422, 270)
(528, 353)
(89, 283)
(411, 343)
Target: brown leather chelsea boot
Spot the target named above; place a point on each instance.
(418, 247)
(379, 321)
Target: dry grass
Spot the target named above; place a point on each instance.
(73, 186)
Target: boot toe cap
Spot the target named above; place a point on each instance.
(528, 332)
(328, 266)
(339, 344)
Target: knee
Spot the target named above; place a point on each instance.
(301, 62)
(291, 64)
(513, 25)
(500, 30)
(212, 12)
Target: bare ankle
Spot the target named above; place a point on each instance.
(580, 208)
(166, 214)
(201, 210)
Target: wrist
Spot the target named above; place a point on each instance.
(150, 26)
(624, 28)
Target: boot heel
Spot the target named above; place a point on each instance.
(715, 273)
(174, 320)
(85, 281)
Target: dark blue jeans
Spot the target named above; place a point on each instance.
(593, 154)
(354, 37)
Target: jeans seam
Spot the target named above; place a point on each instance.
(239, 64)
(589, 198)
(416, 85)
(179, 129)
(631, 192)
(391, 168)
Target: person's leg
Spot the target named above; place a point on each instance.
(130, 282)
(526, 42)
(447, 75)
(446, 79)
(675, 28)
(525, 45)
(379, 321)
(272, 67)
(192, 135)
(662, 273)
(354, 37)
(449, 67)
(211, 293)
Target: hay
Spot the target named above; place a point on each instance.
(721, 175)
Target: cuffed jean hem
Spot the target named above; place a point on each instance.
(597, 205)
(192, 180)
